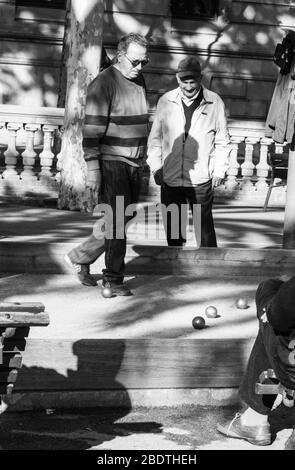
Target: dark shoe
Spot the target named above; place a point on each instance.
(282, 417)
(82, 271)
(117, 289)
(256, 435)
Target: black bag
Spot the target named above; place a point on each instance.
(284, 53)
(281, 57)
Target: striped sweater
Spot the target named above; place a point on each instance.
(116, 120)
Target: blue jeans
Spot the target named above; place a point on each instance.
(269, 351)
(118, 179)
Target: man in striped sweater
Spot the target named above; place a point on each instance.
(115, 136)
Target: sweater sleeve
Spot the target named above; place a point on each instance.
(96, 120)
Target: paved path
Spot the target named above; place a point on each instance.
(162, 306)
(177, 428)
(236, 226)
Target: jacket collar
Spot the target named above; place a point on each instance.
(175, 96)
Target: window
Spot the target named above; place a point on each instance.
(60, 4)
(194, 9)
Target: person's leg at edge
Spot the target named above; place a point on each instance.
(253, 424)
(259, 406)
(261, 358)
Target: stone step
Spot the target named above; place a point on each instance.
(19, 257)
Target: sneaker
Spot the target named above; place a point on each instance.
(82, 271)
(117, 289)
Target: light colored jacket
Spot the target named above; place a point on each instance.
(280, 119)
(205, 151)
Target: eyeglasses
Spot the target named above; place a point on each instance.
(136, 62)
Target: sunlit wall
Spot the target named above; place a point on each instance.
(235, 46)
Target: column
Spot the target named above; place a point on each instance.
(262, 168)
(11, 154)
(47, 156)
(29, 155)
(234, 166)
(248, 165)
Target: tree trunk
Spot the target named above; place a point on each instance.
(65, 55)
(83, 64)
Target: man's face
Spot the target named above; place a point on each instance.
(133, 60)
(190, 85)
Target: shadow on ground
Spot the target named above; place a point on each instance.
(98, 428)
(165, 428)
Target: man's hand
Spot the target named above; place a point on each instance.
(158, 176)
(93, 181)
(216, 181)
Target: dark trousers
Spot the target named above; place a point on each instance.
(201, 194)
(264, 355)
(118, 179)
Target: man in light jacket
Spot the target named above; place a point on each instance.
(188, 151)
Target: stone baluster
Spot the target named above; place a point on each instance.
(248, 166)
(11, 154)
(234, 166)
(29, 155)
(59, 157)
(262, 168)
(47, 156)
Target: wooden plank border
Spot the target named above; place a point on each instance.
(113, 364)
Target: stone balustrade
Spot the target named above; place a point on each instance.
(30, 141)
(249, 171)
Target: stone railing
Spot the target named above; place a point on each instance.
(30, 141)
(248, 174)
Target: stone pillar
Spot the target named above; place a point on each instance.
(29, 155)
(47, 156)
(248, 165)
(11, 154)
(234, 166)
(263, 167)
